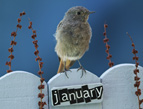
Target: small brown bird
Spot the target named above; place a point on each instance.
(73, 35)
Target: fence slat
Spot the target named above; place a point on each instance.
(19, 90)
(60, 80)
(119, 90)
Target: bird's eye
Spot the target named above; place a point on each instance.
(78, 13)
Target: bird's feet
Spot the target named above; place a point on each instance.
(65, 71)
(83, 70)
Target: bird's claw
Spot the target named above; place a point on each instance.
(65, 71)
(83, 70)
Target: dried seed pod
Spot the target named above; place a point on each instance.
(36, 52)
(107, 51)
(136, 78)
(109, 56)
(8, 71)
(42, 80)
(136, 71)
(105, 40)
(107, 46)
(35, 42)
(34, 31)
(10, 49)
(134, 51)
(110, 64)
(36, 46)
(33, 36)
(135, 58)
(40, 72)
(138, 92)
(41, 103)
(41, 64)
(8, 63)
(11, 56)
(41, 95)
(38, 58)
(13, 43)
(30, 23)
(105, 25)
(41, 87)
(141, 101)
(29, 26)
(137, 64)
(104, 33)
(13, 34)
(137, 84)
(19, 20)
(133, 45)
(19, 26)
(23, 13)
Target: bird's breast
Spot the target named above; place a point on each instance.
(73, 40)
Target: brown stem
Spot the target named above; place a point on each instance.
(107, 46)
(39, 63)
(136, 62)
(13, 46)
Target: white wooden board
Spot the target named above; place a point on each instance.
(60, 80)
(19, 90)
(119, 91)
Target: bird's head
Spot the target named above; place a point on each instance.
(78, 13)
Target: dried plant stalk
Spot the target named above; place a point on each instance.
(38, 58)
(40, 72)
(106, 40)
(13, 43)
(136, 71)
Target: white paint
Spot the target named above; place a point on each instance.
(60, 80)
(19, 90)
(119, 91)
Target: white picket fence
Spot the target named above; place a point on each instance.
(18, 90)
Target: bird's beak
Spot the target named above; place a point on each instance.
(91, 12)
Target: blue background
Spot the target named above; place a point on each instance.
(120, 15)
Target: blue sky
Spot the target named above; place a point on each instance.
(121, 16)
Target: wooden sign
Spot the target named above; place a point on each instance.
(77, 94)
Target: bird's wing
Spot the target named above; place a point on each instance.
(59, 25)
(69, 63)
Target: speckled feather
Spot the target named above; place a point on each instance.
(73, 34)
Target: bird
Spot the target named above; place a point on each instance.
(73, 36)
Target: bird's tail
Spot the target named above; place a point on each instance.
(68, 63)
